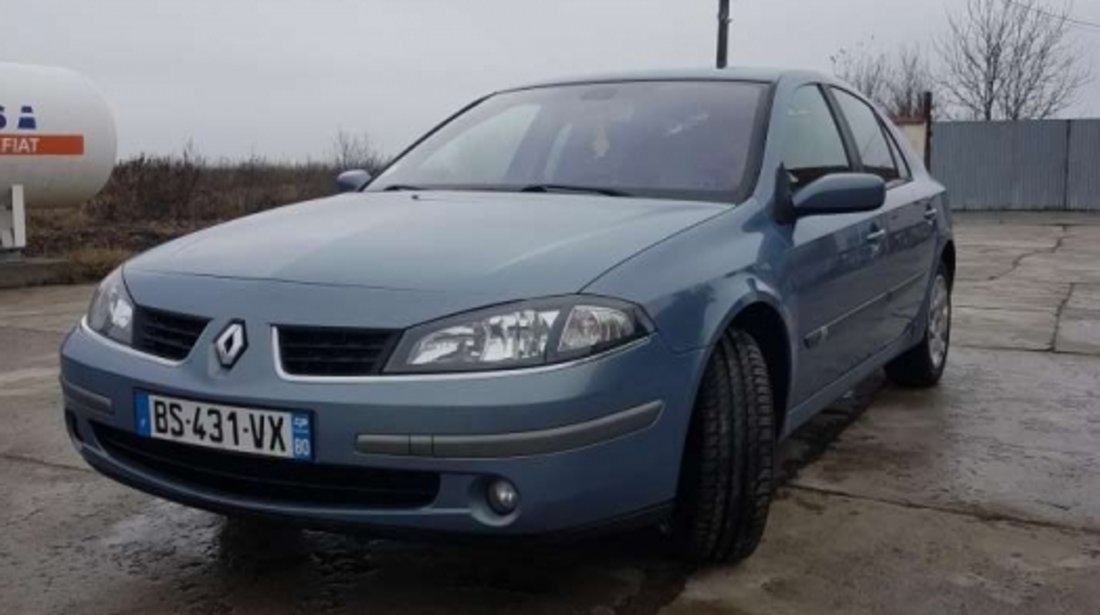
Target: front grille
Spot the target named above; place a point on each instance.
(166, 334)
(271, 480)
(322, 351)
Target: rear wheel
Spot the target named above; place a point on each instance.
(922, 365)
(726, 479)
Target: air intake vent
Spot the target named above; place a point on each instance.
(316, 351)
(166, 334)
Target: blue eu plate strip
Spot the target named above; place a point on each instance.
(141, 408)
(301, 437)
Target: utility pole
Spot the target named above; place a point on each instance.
(723, 32)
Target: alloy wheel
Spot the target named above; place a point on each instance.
(939, 321)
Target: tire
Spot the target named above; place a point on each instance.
(727, 474)
(922, 365)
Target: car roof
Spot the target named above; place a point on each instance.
(737, 73)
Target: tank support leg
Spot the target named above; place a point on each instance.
(13, 220)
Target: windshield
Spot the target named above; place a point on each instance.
(662, 139)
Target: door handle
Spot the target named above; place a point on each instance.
(876, 236)
(930, 214)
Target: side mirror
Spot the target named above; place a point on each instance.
(841, 193)
(352, 181)
(832, 194)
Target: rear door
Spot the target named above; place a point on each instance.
(836, 276)
(908, 217)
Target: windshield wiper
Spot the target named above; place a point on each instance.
(402, 187)
(568, 188)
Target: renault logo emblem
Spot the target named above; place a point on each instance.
(231, 344)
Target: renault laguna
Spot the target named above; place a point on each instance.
(579, 305)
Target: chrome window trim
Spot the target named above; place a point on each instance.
(478, 375)
(84, 326)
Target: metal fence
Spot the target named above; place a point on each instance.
(1028, 165)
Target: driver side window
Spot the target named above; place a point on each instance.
(812, 146)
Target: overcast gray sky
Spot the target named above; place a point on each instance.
(278, 78)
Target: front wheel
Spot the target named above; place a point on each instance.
(922, 365)
(726, 479)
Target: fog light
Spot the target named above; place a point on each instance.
(503, 497)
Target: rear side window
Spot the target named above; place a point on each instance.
(812, 147)
(870, 140)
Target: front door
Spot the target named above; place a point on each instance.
(837, 261)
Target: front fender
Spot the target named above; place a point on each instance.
(695, 283)
(698, 318)
(744, 291)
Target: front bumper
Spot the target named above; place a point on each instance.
(584, 444)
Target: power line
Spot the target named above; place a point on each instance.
(1092, 25)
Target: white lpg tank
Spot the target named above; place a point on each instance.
(57, 135)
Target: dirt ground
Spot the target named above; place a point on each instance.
(982, 496)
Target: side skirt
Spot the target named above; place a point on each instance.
(806, 410)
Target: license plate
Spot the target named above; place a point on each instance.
(270, 433)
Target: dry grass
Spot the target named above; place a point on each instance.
(86, 264)
(150, 200)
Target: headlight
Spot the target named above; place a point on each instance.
(112, 310)
(519, 335)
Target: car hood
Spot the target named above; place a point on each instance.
(515, 244)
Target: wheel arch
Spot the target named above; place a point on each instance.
(761, 314)
(766, 325)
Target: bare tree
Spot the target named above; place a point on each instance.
(355, 151)
(910, 78)
(1011, 59)
(866, 69)
(896, 81)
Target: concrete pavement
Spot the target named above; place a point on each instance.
(982, 496)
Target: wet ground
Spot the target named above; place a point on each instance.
(980, 497)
